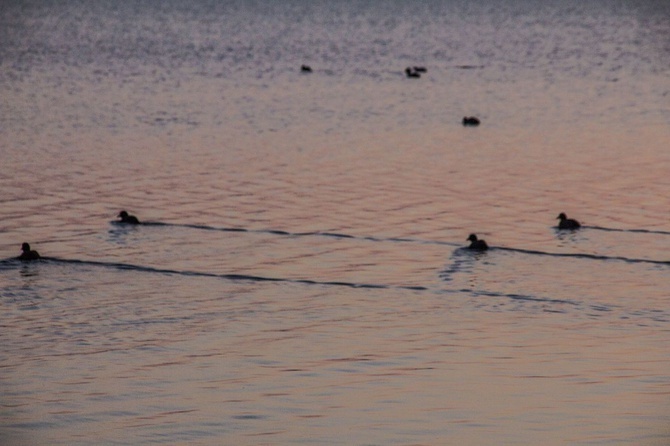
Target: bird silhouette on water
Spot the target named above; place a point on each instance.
(128, 219)
(477, 244)
(412, 73)
(567, 223)
(28, 254)
(471, 121)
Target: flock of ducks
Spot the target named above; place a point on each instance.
(415, 73)
(476, 244)
(411, 72)
(28, 254)
(570, 224)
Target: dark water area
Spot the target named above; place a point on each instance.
(300, 275)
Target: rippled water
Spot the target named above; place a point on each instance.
(299, 278)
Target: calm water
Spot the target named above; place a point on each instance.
(302, 279)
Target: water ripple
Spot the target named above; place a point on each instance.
(638, 231)
(254, 278)
(234, 277)
(436, 242)
(583, 256)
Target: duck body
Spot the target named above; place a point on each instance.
(306, 69)
(471, 121)
(477, 244)
(412, 73)
(567, 223)
(128, 219)
(28, 254)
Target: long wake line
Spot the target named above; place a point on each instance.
(340, 235)
(234, 277)
(433, 242)
(299, 234)
(253, 278)
(638, 231)
(584, 256)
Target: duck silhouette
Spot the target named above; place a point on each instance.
(567, 223)
(412, 73)
(28, 254)
(128, 219)
(472, 121)
(306, 69)
(477, 244)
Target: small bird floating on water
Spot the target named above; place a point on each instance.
(471, 121)
(567, 223)
(306, 69)
(128, 219)
(412, 73)
(27, 253)
(477, 244)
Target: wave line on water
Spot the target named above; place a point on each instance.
(298, 234)
(253, 278)
(517, 296)
(638, 231)
(233, 277)
(583, 256)
(420, 241)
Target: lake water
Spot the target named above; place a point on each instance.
(301, 277)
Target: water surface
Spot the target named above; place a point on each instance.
(301, 277)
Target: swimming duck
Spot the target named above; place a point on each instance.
(471, 121)
(477, 244)
(306, 69)
(412, 73)
(27, 253)
(129, 219)
(567, 223)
